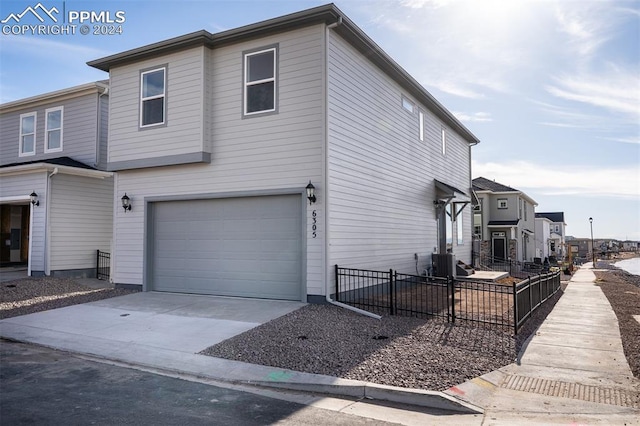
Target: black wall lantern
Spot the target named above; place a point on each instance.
(34, 198)
(311, 196)
(126, 202)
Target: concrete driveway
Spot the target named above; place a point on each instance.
(146, 321)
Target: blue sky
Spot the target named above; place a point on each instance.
(551, 87)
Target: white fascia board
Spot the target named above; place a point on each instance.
(45, 167)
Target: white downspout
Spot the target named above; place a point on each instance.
(326, 174)
(99, 126)
(47, 238)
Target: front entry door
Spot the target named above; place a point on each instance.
(499, 244)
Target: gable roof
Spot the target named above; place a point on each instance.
(484, 184)
(553, 217)
(481, 184)
(327, 14)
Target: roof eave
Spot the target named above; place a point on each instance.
(48, 167)
(326, 14)
(96, 86)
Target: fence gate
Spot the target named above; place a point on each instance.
(103, 265)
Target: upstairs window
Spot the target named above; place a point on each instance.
(260, 81)
(153, 86)
(407, 105)
(27, 134)
(53, 129)
(502, 203)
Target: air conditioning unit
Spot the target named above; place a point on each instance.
(444, 265)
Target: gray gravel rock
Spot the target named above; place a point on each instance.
(398, 351)
(29, 295)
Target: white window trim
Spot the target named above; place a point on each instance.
(421, 124)
(443, 135)
(149, 98)
(46, 128)
(407, 104)
(506, 203)
(264, 80)
(21, 135)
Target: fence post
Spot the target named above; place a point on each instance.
(451, 284)
(337, 284)
(392, 291)
(97, 263)
(540, 288)
(515, 308)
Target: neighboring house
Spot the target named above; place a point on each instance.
(56, 199)
(215, 137)
(504, 221)
(542, 236)
(583, 249)
(556, 241)
(630, 246)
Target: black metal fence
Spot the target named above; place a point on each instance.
(103, 265)
(531, 293)
(489, 303)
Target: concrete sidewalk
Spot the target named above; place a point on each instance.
(573, 370)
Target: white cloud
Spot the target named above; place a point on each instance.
(614, 89)
(633, 140)
(477, 117)
(546, 179)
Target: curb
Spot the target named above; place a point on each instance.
(240, 373)
(378, 392)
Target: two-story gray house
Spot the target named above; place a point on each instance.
(504, 221)
(56, 198)
(216, 139)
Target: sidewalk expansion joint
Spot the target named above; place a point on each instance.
(597, 394)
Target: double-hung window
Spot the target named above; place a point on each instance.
(27, 134)
(153, 90)
(260, 83)
(53, 129)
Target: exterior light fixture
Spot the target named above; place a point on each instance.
(311, 193)
(126, 202)
(34, 198)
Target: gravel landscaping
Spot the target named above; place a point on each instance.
(398, 351)
(29, 295)
(623, 291)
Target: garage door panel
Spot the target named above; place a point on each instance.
(235, 247)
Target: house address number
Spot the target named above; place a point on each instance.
(314, 226)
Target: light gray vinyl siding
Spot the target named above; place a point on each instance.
(381, 176)
(21, 185)
(78, 127)
(510, 213)
(183, 131)
(81, 218)
(260, 155)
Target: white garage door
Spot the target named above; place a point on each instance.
(249, 247)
